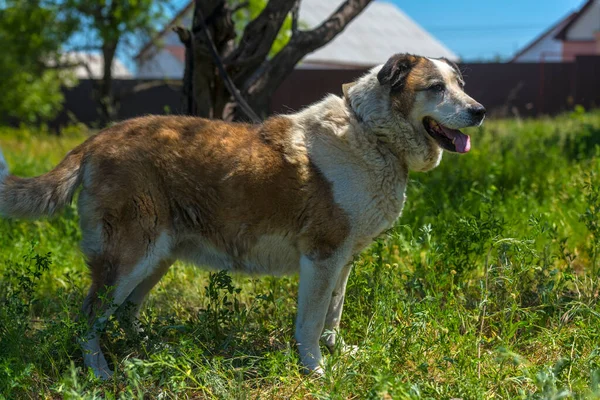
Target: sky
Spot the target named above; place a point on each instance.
(476, 30)
(482, 29)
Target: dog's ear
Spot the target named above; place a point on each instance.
(396, 69)
(346, 88)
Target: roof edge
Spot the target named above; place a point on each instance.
(542, 36)
(562, 34)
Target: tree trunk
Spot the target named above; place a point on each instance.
(108, 110)
(253, 73)
(203, 90)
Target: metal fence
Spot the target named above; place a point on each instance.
(505, 89)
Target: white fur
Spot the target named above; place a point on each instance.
(270, 255)
(452, 110)
(90, 345)
(158, 252)
(3, 167)
(3, 175)
(93, 356)
(317, 282)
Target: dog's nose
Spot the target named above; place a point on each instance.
(477, 111)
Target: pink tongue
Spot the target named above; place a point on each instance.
(462, 142)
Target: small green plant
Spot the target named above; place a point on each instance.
(591, 217)
(18, 286)
(223, 303)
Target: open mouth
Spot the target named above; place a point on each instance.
(448, 139)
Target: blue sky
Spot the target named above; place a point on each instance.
(481, 29)
(473, 29)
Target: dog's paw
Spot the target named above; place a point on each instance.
(338, 346)
(349, 350)
(316, 372)
(103, 374)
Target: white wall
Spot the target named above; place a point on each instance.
(587, 24)
(160, 65)
(548, 49)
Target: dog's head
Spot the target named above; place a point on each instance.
(429, 93)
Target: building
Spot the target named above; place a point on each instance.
(381, 30)
(91, 66)
(576, 34)
(581, 35)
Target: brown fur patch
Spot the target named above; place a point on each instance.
(419, 76)
(226, 183)
(168, 134)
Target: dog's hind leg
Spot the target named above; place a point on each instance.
(129, 312)
(125, 259)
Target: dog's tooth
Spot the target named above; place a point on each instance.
(453, 140)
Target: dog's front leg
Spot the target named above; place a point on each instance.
(317, 281)
(336, 305)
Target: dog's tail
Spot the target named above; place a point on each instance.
(42, 195)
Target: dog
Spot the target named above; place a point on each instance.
(298, 194)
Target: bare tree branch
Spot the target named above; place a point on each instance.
(261, 32)
(295, 13)
(185, 36)
(273, 72)
(333, 25)
(239, 7)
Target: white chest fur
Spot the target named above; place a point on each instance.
(369, 189)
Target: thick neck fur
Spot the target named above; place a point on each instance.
(406, 139)
(349, 154)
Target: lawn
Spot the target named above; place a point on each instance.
(487, 287)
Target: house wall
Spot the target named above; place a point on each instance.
(161, 64)
(585, 26)
(547, 49)
(571, 49)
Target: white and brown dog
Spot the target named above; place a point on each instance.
(300, 193)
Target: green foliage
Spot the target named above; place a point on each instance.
(486, 288)
(31, 33)
(109, 27)
(111, 22)
(246, 14)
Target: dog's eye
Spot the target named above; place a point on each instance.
(437, 87)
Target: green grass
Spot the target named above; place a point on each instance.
(487, 288)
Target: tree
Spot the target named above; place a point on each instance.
(253, 68)
(109, 25)
(31, 34)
